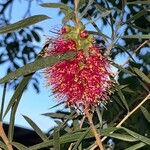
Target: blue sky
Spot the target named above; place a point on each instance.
(33, 104)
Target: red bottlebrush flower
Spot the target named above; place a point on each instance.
(64, 29)
(84, 80)
(84, 34)
(61, 45)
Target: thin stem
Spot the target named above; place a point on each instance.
(97, 136)
(130, 113)
(4, 137)
(134, 51)
(126, 117)
(76, 2)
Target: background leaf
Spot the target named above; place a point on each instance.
(23, 23)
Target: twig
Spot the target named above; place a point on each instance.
(97, 136)
(76, 2)
(82, 122)
(131, 112)
(126, 117)
(134, 51)
(4, 137)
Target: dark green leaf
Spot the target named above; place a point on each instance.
(142, 75)
(56, 115)
(138, 2)
(123, 137)
(36, 36)
(145, 113)
(36, 128)
(36, 65)
(19, 146)
(2, 145)
(56, 138)
(136, 146)
(90, 2)
(106, 13)
(122, 69)
(12, 119)
(143, 36)
(101, 9)
(62, 6)
(18, 93)
(56, 105)
(122, 97)
(81, 139)
(136, 16)
(137, 136)
(69, 16)
(3, 101)
(23, 23)
(71, 137)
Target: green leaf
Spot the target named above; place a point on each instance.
(56, 138)
(36, 128)
(36, 36)
(136, 16)
(62, 6)
(12, 119)
(101, 9)
(2, 145)
(123, 137)
(23, 23)
(56, 115)
(90, 2)
(3, 101)
(143, 36)
(142, 75)
(138, 2)
(56, 105)
(136, 146)
(69, 16)
(81, 139)
(18, 93)
(137, 136)
(71, 137)
(106, 13)
(122, 69)
(145, 113)
(122, 97)
(36, 65)
(19, 146)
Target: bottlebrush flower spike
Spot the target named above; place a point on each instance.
(84, 80)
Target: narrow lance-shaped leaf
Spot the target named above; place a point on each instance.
(3, 101)
(56, 138)
(143, 36)
(142, 75)
(138, 2)
(136, 16)
(2, 145)
(12, 119)
(36, 65)
(122, 97)
(19, 91)
(23, 23)
(145, 113)
(36, 128)
(19, 146)
(71, 137)
(138, 136)
(136, 146)
(123, 137)
(56, 5)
